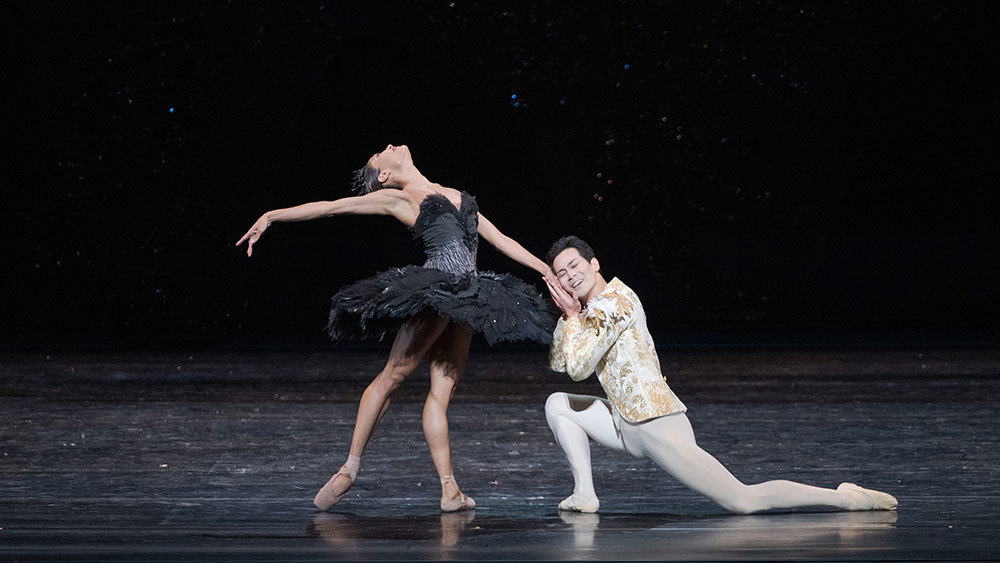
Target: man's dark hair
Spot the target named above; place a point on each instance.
(569, 242)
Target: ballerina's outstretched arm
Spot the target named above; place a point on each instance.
(510, 247)
(382, 202)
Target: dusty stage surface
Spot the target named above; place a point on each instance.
(217, 455)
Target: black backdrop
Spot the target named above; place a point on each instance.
(748, 167)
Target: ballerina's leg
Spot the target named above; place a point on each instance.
(414, 339)
(448, 357)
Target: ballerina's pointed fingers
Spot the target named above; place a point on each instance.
(252, 234)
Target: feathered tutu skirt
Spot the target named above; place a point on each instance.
(499, 306)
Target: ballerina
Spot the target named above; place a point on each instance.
(434, 309)
(643, 416)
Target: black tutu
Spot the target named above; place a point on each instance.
(501, 307)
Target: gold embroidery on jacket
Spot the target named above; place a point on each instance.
(612, 339)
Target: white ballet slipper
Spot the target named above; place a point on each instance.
(580, 504)
(868, 499)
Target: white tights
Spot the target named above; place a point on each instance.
(668, 441)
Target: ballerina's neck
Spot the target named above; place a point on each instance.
(410, 178)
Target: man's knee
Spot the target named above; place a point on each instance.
(556, 404)
(741, 504)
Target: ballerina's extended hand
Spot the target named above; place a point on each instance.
(254, 233)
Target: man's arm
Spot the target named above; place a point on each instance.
(584, 344)
(557, 357)
(577, 347)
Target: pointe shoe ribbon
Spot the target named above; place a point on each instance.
(461, 502)
(868, 499)
(579, 504)
(325, 497)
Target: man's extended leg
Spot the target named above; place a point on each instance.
(572, 419)
(670, 442)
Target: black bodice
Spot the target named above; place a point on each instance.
(499, 306)
(449, 234)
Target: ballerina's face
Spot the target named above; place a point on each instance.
(576, 274)
(392, 157)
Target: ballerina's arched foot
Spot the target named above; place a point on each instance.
(460, 502)
(580, 504)
(868, 499)
(335, 489)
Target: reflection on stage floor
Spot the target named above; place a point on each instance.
(218, 455)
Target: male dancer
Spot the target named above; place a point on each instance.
(642, 416)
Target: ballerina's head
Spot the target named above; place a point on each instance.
(382, 169)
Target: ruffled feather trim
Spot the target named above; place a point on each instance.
(500, 307)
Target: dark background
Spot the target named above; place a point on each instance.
(757, 171)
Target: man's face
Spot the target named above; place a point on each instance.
(575, 274)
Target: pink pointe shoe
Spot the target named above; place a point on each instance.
(325, 497)
(461, 502)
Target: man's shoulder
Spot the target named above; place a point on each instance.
(620, 289)
(617, 301)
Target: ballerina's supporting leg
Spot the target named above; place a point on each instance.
(414, 339)
(448, 357)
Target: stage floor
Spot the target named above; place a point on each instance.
(218, 455)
